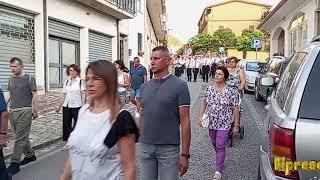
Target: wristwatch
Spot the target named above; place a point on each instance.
(186, 155)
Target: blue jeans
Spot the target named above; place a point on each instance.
(159, 161)
(135, 93)
(3, 169)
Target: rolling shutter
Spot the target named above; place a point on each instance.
(63, 30)
(100, 47)
(16, 40)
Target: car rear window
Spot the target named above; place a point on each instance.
(309, 107)
(252, 66)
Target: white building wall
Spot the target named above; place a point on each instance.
(83, 17)
(68, 12)
(309, 9)
(136, 25)
(150, 38)
(34, 7)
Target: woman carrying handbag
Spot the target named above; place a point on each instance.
(220, 102)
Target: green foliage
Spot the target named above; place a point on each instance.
(202, 42)
(243, 42)
(225, 37)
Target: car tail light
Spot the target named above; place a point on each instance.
(283, 146)
(282, 142)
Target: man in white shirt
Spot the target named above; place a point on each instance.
(189, 68)
(205, 69)
(196, 66)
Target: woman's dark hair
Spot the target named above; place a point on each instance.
(108, 73)
(122, 66)
(225, 72)
(75, 67)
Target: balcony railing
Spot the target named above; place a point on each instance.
(126, 5)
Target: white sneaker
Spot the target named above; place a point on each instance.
(217, 176)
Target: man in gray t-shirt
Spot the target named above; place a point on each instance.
(165, 103)
(23, 92)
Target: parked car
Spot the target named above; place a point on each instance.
(291, 129)
(251, 68)
(273, 69)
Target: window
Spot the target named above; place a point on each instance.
(309, 107)
(221, 27)
(251, 28)
(274, 66)
(139, 42)
(298, 32)
(283, 92)
(62, 53)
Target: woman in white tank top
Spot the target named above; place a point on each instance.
(123, 80)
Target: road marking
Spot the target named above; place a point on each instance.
(254, 113)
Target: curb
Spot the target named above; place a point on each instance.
(39, 146)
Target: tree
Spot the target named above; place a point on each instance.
(225, 38)
(243, 42)
(181, 51)
(203, 42)
(173, 41)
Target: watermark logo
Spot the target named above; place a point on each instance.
(282, 164)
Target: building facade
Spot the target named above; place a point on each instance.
(49, 35)
(234, 14)
(292, 25)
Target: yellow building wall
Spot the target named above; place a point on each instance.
(234, 15)
(235, 26)
(262, 55)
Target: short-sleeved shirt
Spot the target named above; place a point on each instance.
(219, 107)
(94, 153)
(21, 90)
(137, 76)
(160, 100)
(73, 89)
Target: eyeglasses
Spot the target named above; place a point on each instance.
(232, 62)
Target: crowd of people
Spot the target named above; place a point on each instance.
(101, 136)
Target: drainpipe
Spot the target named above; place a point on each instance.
(118, 40)
(45, 45)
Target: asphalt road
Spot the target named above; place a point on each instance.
(241, 162)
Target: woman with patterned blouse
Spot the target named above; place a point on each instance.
(220, 104)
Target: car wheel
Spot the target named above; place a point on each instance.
(257, 95)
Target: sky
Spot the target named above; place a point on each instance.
(183, 16)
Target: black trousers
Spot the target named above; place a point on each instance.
(3, 170)
(205, 76)
(195, 74)
(69, 114)
(189, 74)
(205, 73)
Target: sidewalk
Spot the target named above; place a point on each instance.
(47, 128)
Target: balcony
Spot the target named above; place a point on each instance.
(119, 9)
